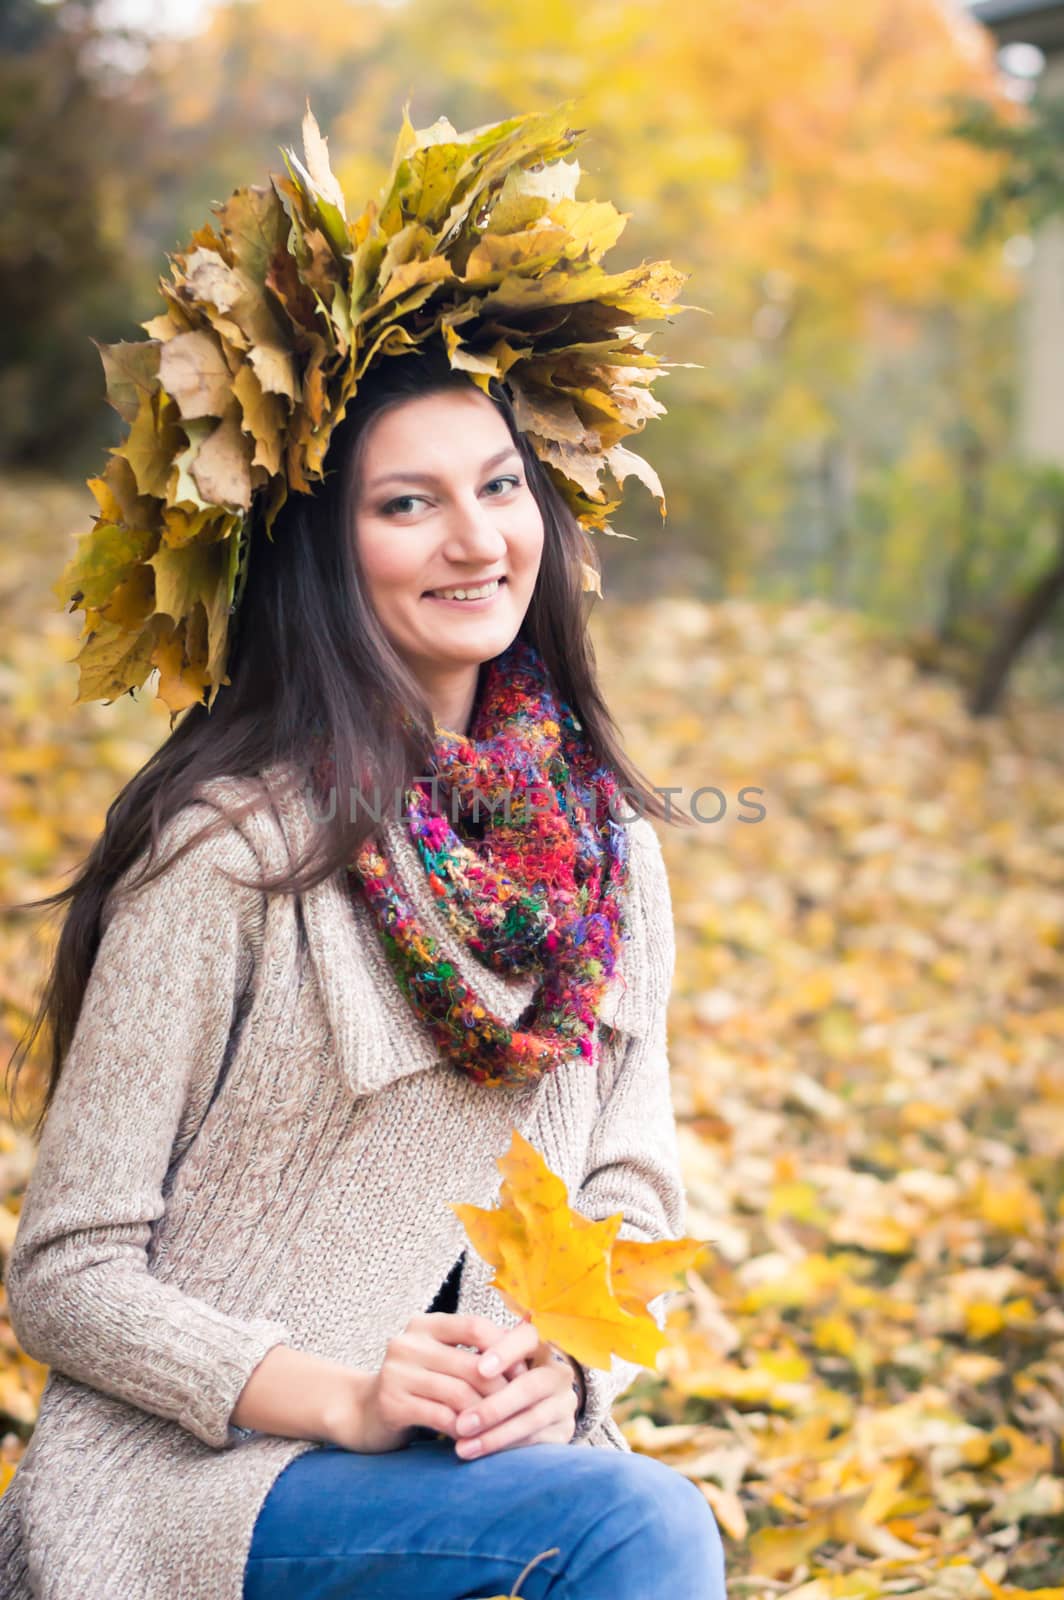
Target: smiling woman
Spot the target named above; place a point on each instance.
(449, 571)
(287, 1039)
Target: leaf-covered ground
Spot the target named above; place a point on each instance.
(868, 1048)
(867, 1379)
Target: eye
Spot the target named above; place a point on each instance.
(397, 504)
(395, 507)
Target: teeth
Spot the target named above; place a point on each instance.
(467, 594)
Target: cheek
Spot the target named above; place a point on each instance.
(388, 562)
(528, 539)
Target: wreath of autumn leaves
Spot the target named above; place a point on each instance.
(273, 314)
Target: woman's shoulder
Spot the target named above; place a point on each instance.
(257, 810)
(227, 832)
(652, 943)
(647, 868)
(643, 835)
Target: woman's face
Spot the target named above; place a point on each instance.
(442, 505)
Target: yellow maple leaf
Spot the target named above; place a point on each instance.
(581, 1287)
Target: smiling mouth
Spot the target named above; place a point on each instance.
(465, 596)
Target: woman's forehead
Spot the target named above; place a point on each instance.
(421, 431)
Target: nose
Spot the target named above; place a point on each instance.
(473, 535)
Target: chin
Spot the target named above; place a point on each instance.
(473, 656)
(476, 646)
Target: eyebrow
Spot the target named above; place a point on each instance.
(428, 477)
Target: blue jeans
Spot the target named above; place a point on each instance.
(422, 1521)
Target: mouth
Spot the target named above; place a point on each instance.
(477, 597)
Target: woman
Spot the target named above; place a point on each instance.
(310, 1030)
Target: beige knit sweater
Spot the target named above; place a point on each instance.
(252, 1143)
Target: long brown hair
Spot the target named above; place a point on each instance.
(308, 649)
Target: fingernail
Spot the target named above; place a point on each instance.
(471, 1423)
(469, 1447)
(488, 1365)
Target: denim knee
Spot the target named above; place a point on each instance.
(670, 1520)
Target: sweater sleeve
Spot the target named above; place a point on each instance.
(633, 1163)
(156, 1017)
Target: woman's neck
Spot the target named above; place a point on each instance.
(454, 702)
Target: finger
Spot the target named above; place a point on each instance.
(405, 1400)
(466, 1366)
(515, 1343)
(420, 1382)
(437, 1417)
(552, 1435)
(522, 1392)
(467, 1328)
(488, 1386)
(434, 1342)
(428, 1349)
(515, 1430)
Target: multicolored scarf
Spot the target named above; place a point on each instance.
(525, 850)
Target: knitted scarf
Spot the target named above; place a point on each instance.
(519, 834)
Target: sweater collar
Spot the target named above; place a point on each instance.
(356, 984)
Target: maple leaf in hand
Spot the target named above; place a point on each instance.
(581, 1287)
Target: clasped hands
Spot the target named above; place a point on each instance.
(538, 1404)
(512, 1388)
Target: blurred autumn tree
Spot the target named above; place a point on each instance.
(798, 166)
(1034, 177)
(1031, 186)
(847, 431)
(71, 253)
